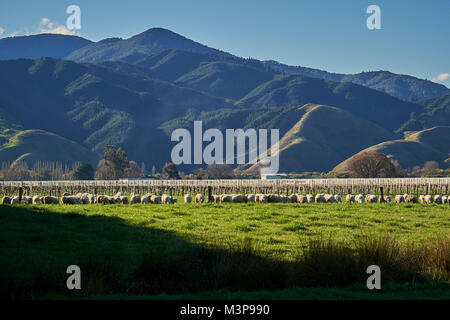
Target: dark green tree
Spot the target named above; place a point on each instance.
(84, 172)
(169, 171)
(117, 160)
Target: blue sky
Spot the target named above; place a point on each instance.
(325, 34)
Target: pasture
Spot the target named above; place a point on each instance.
(225, 249)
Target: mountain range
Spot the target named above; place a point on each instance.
(78, 96)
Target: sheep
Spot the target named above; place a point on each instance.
(36, 200)
(124, 200)
(310, 198)
(329, 198)
(27, 200)
(6, 200)
(15, 200)
(84, 198)
(187, 198)
(411, 198)
(118, 195)
(199, 198)
(166, 199)
(156, 199)
(428, 199)
(359, 198)
(438, 199)
(145, 199)
(216, 198)
(106, 200)
(50, 200)
(226, 198)
(239, 198)
(92, 199)
(251, 198)
(399, 198)
(302, 199)
(135, 198)
(371, 198)
(262, 198)
(350, 198)
(293, 198)
(320, 198)
(71, 200)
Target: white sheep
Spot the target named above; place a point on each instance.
(187, 198)
(371, 198)
(350, 198)
(199, 198)
(320, 198)
(310, 198)
(438, 199)
(359, 198)
(36, 200)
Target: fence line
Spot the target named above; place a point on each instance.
(282, 186)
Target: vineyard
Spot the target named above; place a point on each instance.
(180, 187)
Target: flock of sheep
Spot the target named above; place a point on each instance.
(86, 198)
(319, 198)
(120, 198)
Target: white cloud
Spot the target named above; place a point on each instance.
(44, 21)
(47, 26)
(441, 77)
(1, 31)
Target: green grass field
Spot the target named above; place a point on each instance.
(291, 251)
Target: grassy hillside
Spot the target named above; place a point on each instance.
(371, 105)
(401, 86)
(34, 145)
(95, 105)
(436, 113)
(225, 79)
(316, 143)
(192, 248)
(417, 148)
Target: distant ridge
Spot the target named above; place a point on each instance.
(40, 45)
(139, 46)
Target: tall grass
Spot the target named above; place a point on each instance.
(324, 263)
(240, 267)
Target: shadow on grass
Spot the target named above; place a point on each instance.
(37, 245)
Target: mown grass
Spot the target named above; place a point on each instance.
(186, 249)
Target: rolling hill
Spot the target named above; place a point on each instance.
(417, 148)
(150, 48)
(436, 113)
(365, 103)
(95, 105)
(404, 87)
(34, 145)
(314, 141)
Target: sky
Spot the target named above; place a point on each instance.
(325, 34)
